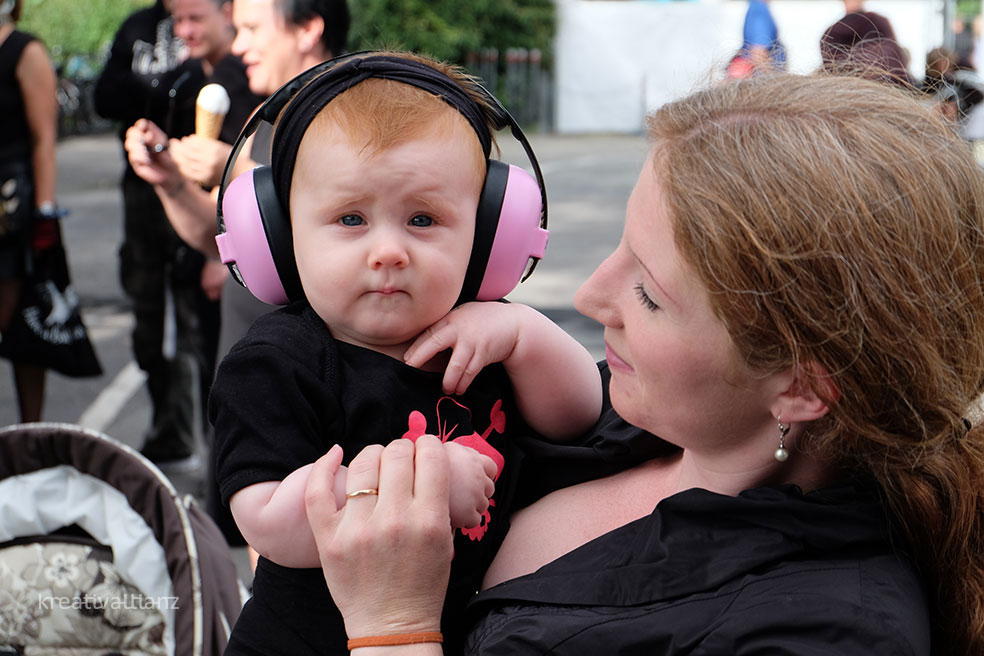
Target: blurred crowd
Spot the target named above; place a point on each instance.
(864, 42)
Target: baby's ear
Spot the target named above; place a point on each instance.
(801, 400)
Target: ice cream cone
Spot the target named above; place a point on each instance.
(210, 110)
(208, 124)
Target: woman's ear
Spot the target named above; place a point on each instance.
(800, 401)
(309, 33)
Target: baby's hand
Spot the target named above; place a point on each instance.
(478, 334)
(472, 484)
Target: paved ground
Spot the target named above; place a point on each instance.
(588, 181)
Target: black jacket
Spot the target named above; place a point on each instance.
(147, 76)
(772, 571)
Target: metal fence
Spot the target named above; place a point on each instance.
(521, 81)
(517, 77)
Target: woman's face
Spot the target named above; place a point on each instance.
(675, 371)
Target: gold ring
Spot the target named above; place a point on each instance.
(361, 493)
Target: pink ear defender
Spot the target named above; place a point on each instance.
(254, 236)
(518, 236)
(245, 241)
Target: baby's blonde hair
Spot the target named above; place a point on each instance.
(380, 113)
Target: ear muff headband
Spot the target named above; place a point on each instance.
(315, 96)
(325, 81)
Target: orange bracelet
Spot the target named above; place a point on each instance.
(396, 639)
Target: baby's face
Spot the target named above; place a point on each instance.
(382, 241)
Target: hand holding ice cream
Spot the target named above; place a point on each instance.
(201, 157)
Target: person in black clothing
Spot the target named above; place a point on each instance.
(205, 27)
(276, 40)
(149, 76)
(28, 116)
(794, 320)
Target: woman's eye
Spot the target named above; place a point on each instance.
(421, 221)
(647, 302)
(351, 220)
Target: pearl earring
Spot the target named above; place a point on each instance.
(781, 453)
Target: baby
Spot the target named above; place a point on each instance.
(382, 183)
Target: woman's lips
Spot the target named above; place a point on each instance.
(614, 361)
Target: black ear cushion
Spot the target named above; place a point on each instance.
(276, 225)
(486, 225)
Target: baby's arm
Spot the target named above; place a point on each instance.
(555, 379)
(272, 518)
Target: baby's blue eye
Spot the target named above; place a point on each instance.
(351, 220)
(421, 221)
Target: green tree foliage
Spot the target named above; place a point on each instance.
(76, 27)
(446, 29)
(967, 9)
(450, 29)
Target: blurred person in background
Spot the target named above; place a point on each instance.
(29, 120)
(276, 40)
(761, 48)
(863, 41)
(148, 75)
(206, 29)
(963, 41)
(953, 87)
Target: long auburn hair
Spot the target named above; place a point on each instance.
(839, 226)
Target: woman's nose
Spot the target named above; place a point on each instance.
(597, 296)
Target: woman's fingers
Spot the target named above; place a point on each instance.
(396, 474)
(362, 484)
(432, 474)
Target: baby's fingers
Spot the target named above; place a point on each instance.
(319, 495)
(456, 379)
(432, 341)
(475, 363)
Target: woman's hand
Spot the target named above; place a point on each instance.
(386, 557)
(201, 159)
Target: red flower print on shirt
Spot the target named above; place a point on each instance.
(417, 426)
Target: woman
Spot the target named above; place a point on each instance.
(28, 114)
(797, 305)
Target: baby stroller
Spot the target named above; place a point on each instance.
(99, 555)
